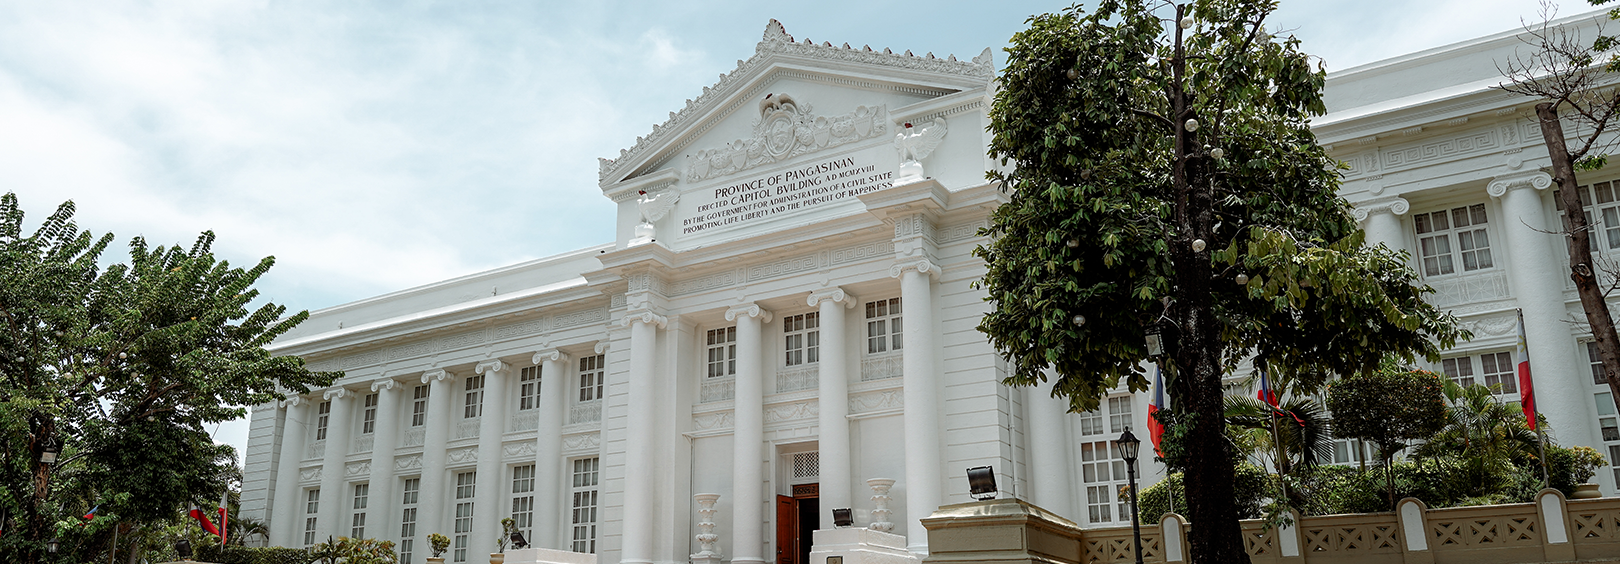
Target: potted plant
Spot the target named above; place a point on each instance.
(438, 543)
(508, 526)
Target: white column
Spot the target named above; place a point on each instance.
(640, 503)
(430, 502)
(489, 506)
(1538, 271)
(836, 485)
(1049, 457)
(748, 437)
(548, 461)
(336, 499)
(382, 520)
(286, 521)
(921, 398)
(1381, 221)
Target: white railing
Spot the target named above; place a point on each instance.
(718, 389)
(798, 378)
(1469, 288)
(881, 366)
(587, 412)
(363, 444)
(526, 421)
(413, 436)
(317, 450)
(468, 428)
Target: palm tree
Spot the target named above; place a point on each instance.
(1483, 433)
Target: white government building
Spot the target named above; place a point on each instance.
(786, 317)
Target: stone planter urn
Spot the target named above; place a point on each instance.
(1587, 491)
(432, 560)
(880, 502)
(497, 558)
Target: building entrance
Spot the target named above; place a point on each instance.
(797, 518)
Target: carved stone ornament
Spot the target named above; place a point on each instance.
(786, 129)
(750, 310)
(1500, 186)
(1397, 206)
(922, 266)
(645, 317)
(653, 208)
(490, 366)
(602, 346)
(432, 375)
(293, 401)
(384, 385)
(552, 355)
(336, 393)
(408, 462)
(835, 295)
(357, 469)
(777, 42)
(915, 145)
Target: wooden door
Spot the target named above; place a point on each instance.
(787, 530)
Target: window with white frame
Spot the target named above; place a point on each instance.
(523, 499)
(322, 414)
(528, 388)
(312, 507)
(1494, 369)
(801, 336)
(1451, 238)
(721, 345)
(357, 523)
(407, 521)
(592, 373)
(1595, 360)
(1610, 430)
(1102, 472)
(583, 520)
(466, 488)
(883, 326)
(475, 398)
(419, 397)
(368, 418)
(1602, 213)
(1353, 451)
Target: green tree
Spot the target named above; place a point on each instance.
(1391, 407)
(119, 368)
(1484, 435)
(1165, 176)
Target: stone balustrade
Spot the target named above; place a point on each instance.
(1552, 529)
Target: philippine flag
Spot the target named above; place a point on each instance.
(202, 518)
(1527, 391)
(1155, 428)
(223, 516)
(1266, 394)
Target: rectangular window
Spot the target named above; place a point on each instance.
(1119, 414)
(583, 521)
(801, 339)
(1610, 429)
(475, 397)
(407, 521)
(1603, 218)
(592, 372)
(369, 417)
(322, 413)
(312, 506)
(722, 347)
(466, 488)
(883, 326)
(1459, 370)
(357, 525)
(419, 398)
(1103, 474)
(1495, 369)
(1437, 230)
(1595, 359)
(528, 388)
(523, 499)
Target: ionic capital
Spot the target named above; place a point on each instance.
(1533, 179)
(646, 317)
(550, 355)
(602, 346)
(750, 310)
(923, 266)
(495, 366)
(384, 385)
(834, 295)
(435, 376)
(336, 393)
(293, 401)
(1395, 205)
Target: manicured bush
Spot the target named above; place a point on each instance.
(1252, 488)
(251, 555)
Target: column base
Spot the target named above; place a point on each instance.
(860, 546)
(547, 556)
(706, 558)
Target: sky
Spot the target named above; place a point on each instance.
(376, 146)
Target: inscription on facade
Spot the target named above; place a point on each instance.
(801, 187)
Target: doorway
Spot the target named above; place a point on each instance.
(797, 518)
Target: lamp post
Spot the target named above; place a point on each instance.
(1128, 446)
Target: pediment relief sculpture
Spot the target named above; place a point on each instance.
(786, 129)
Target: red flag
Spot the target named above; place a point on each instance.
(223, 516)
(202, 518)
(1156, 428)
(1527, 391)
(1266, 394)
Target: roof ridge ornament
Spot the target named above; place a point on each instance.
(777, 41)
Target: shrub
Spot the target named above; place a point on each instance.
(1570, 467)
(252, 555)
(1251, 490)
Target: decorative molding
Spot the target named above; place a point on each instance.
(1497, 326)
(411, 462)
(457, 341)
(357, 469)
(601, 347)
(775, 42)
(882, 367)
(618, 300)
(468, 428)
(363, 443)
(784, 268)
(717, 389)
(573, 444)
(1479, 287)
(646, 282)
(805, 377)
(577, 318)
(414, 436)
(435, 375)
(807, 409)
(293, 401)
(419, 348)
(922, 265)
(862, 252)
(588, 412)
(712, 421)
(525, 421)
(710, 282)
(384, 385)
(876, 400)
(914, 225)
(309, 474)
(460, 455)
(1395, 205)
(961, 231)
(493, 365)
(647, 317)
(784, 130)
(519, 450)
(519, 329)
(835, 295)
(750, 310)
(336, 394)
(317, 450)
(1534, 179)
(552, 355)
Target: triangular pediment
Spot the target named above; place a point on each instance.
(837, 92)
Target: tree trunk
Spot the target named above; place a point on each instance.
(1216, 536)
(1581, 269)
(38, 530)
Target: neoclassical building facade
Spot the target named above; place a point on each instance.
(786, 318)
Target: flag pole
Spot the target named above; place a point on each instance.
(1527, 398)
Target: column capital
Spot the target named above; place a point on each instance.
(552, 355)
(644, 316)
(293, 401)
(1392, 205)
(923, 266)
(750, 310)
(493, 365)
(602, 346)
(1534, 179)
(384, 385)
(834, 295)
(435, 375)
(336, 393)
